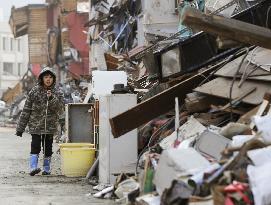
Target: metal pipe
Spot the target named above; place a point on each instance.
(93, 168)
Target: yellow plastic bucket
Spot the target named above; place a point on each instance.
(76, 145)
(76, 160)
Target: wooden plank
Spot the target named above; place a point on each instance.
(37, 35)
(245, 94)
(155, 106)
(220, 87)
(230, 69)
(229, 28)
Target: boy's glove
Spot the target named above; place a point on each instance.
(19, 134)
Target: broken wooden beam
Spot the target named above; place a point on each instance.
(157, 105)
(229, 28)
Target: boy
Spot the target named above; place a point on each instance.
(41, 112)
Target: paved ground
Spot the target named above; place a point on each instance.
(17, 187)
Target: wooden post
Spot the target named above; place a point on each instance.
(229, 28)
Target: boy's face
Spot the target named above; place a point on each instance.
(48, 80)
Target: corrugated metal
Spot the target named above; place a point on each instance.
(37, 35)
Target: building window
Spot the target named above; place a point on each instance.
(11, 44)
(8, 68)
(19, 45)
(20, 69)
(4, 43)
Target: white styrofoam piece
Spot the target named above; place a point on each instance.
(258, 179)
(239, 140)
(263, 125)
(103, 81)
(175, 163)
(260, 156)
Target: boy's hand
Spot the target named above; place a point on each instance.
(49, 93)
(181, 2)
(19, 134)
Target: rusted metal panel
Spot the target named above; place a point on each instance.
(77, 37)
(72, 35)
(155, 106)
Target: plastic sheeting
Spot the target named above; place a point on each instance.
(103, 81)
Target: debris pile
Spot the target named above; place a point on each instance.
(204, 152)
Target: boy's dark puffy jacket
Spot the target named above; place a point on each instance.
(34, 111)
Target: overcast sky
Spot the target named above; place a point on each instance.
(6, 7)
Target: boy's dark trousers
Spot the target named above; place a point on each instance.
(46, 141)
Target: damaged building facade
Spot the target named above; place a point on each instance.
(14, 58)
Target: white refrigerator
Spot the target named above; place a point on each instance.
(116, 155)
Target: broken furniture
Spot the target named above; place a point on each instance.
(79, 123)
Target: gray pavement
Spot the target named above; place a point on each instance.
(17, 187)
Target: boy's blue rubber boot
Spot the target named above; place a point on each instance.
(34, 159)
(46, 166)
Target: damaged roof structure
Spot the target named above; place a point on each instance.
(30, 20)
(56, 38)
(55, 34)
